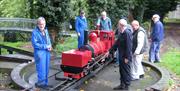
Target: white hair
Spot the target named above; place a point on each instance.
(123, 22)
(156, 16)
(103, 13)
(41, 19)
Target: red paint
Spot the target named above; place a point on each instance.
(76, 58)
(101, 42)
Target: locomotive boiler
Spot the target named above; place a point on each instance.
(77, 63)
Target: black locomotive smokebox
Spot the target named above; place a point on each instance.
(70, 69)
(88, 47)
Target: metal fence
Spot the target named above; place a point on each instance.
(17, 24)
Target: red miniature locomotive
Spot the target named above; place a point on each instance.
(77, 63)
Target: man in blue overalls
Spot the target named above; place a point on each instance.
(81, 26)
(42, 47)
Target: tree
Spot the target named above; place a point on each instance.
(77, 5)
(11, 9)
(14, 8)
(161, 7)
(30, 6)
(137, 9)
(57, 12)
(115, 9)
(142, 10)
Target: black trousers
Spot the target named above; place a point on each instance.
(125, 72)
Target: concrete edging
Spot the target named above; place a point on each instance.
(16, 75)
(160, 85)
(163, 83)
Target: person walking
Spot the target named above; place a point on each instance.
(81, 26)
(139, 35)
(124, 46)
(157, 35)
(42, 46)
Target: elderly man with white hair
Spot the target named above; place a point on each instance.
(124, 46)
(42, 47)
(104, 22)
(157, 35)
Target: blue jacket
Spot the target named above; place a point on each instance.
(80, 24)
(157, 32)
(41, 44)
(105, 24)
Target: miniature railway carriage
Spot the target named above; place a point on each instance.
(78, 63)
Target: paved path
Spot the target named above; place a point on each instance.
(106, 79)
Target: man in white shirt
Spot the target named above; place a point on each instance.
(139, 35)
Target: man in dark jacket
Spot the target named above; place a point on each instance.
(157, 36)
(124, 46)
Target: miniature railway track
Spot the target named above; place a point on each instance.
(100, 62)
(12, 49)
(14, 59)
(67, 84)
(21, 56)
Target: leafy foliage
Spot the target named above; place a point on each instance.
(142, 10)
(13, 8)
(59, 13)
(161, 7)
(137, 8)
(55, 12)
(115, 9)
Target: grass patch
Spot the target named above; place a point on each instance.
(15, 44)
(1, 37)
(18, 45)
(171, 60)
(68, 44)
(166, 20)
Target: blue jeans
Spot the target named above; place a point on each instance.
(154, 52)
